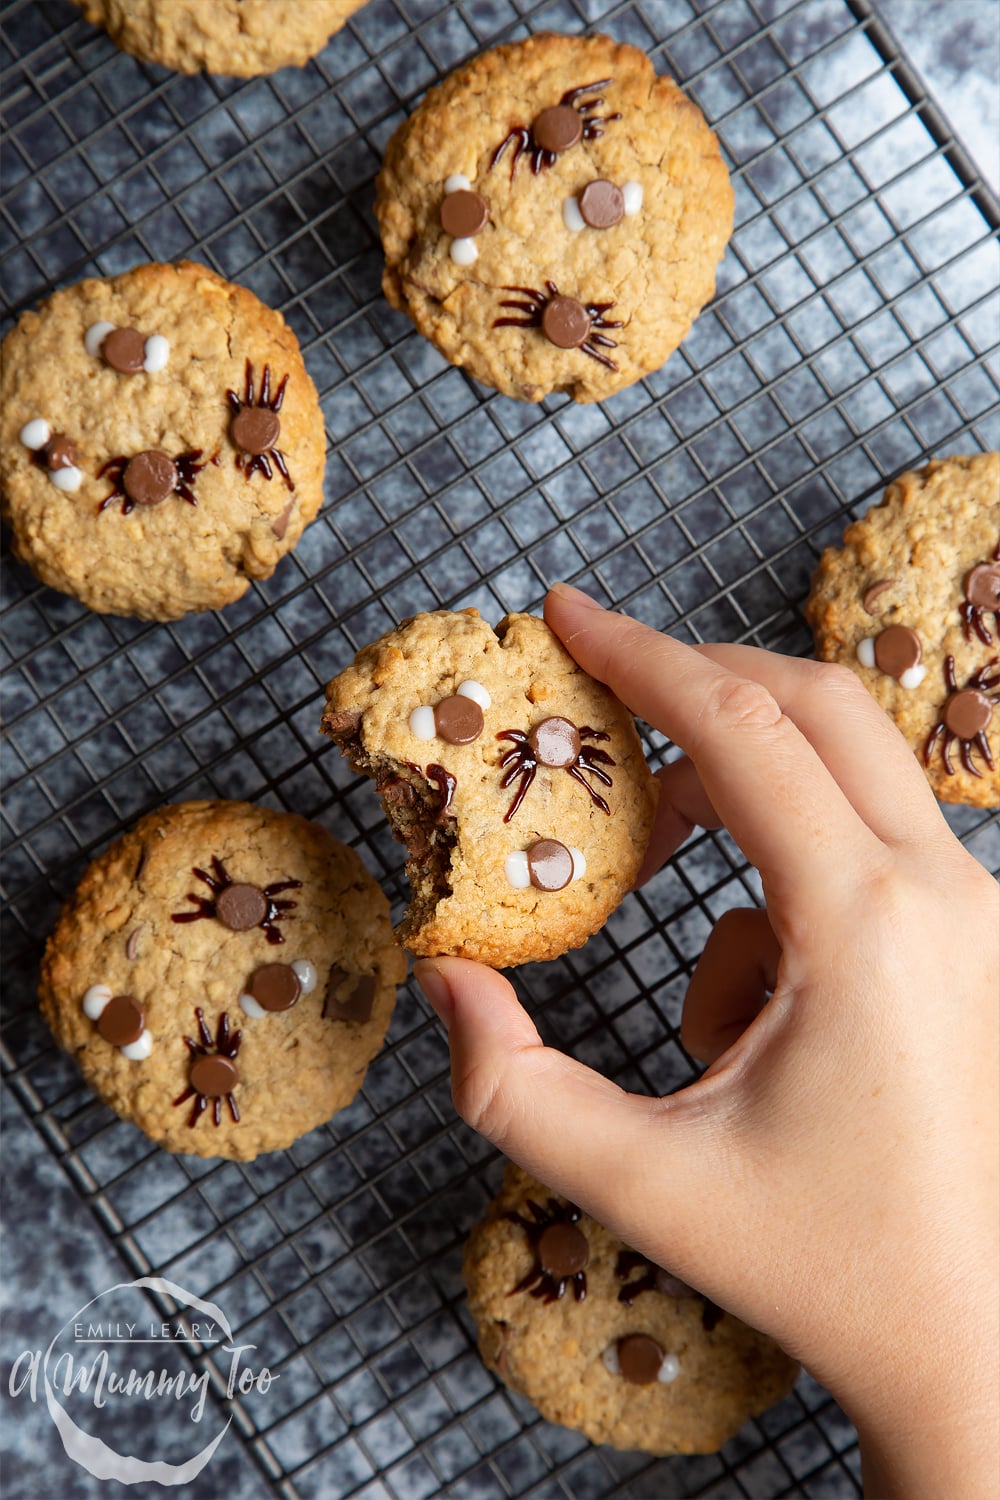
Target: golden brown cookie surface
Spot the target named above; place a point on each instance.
(223, 976)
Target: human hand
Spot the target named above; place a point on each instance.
(832, 1178)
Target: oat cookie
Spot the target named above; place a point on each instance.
(516, 781)
(161, 442)
(239, 38)
(552, 216)
(223, 976)
(911, 602)
(602, 1340)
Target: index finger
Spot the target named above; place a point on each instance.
(767, 783)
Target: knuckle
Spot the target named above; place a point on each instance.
(739, 703)
(833, 677)
(479, 1097)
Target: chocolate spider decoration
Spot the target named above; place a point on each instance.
(560, 1248)
(556, 129)
(239, 905)
(558, 745)
(150, 477)
(565, 322)
(214, 1074)
(965, 717)
(982, 594)
(255, 427)
(655, 1279)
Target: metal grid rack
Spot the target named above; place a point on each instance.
(854, 334)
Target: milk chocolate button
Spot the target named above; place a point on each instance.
(550, 865)
(60, 452)
(214, 1076)
(602, 204)
(463, 214)
(639, 1358)
(555, 742)
(897, 649)
(240, 907)
(563, 1250)
(982, 586)
(565, 322)
(275, 986)
(967, 713)
(121, 1021)
(458, 720)
(124, 350)
(149, 477)
(557, 128)
(255, 429)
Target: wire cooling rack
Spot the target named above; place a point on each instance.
(854, 334)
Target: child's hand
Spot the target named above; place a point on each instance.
(832, 1178)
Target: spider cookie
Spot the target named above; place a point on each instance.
(552, 216)
(161, 442)
(516, 782)
(605, 1342)
(239, 38)
(912, 603)
(223, 976)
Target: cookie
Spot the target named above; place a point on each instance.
(516, 782)
(238, 38)
(223, 976)
(601, 1340)
(552, 215)
(161, 442)
(911, 602)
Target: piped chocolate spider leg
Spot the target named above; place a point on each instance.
(931, 743)
(527, 775)
(984, 748)
(282, 467)
(596, 796)
(572, 95)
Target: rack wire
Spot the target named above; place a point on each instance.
(854, 334)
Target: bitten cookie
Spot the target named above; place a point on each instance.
(912, 603)
(516, 782)
(161, 442)
(552, 216)
(602, 1340)
(223, 976)
(238, 38)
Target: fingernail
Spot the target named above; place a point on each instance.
(435, 987)
(574, 596)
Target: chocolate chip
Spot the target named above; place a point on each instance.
(563, 1250)
(132, 946)
(550, 865)
(60, 452)
(602, 204)
(555, 742)
(255, 429)
(897, 649)
(967, 713)
(982, 586)
(557, 129)
(673, 1286)
(121, 1021)
(875, 591)
(341, 723)
(639, 1358)
(458, 720)
(565, 322)
(396, 791)
(124, 350)
(275, 986)
(464, 214)
(149, 477)
(214, 1076)
(280, 523)
(357, 1005)
(240, 907)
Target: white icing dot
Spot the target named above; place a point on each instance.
(913, 676)
(157, 354)
(251, 1008)
(516, 870)
(464, 252)
(669, 1370)
(140, 1048)
(457, 183)
(35, 435)
(422, 725)
(306, 975)
(66, 479)
(632, 193)
(866, 651)
(610, 1358)
(579, 863)
(95, 1000)
(95, 336)
(572, 217)
(474, 690)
